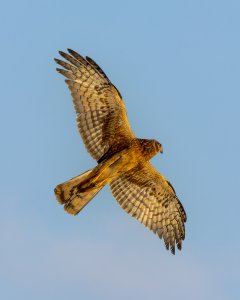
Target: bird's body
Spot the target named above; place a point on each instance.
(123, 159)
(116, 165)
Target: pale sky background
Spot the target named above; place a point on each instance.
(177, 65)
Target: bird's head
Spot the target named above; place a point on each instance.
(150, 147)
(157, 146)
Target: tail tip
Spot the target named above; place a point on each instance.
(59, 194)
(71, 209)
(71, 206)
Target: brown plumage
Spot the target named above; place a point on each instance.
(123, 159)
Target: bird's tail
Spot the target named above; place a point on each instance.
(72, 196)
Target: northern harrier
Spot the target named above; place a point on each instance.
(123, 159)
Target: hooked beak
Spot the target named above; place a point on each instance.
(161, 149)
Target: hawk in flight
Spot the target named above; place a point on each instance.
(123, 159)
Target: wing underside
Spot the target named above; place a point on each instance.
(101, 114)
(148, 196)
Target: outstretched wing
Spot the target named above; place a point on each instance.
(101, 114)
(148, 196)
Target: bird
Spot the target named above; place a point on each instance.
(123, 160)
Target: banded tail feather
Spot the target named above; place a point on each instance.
(70, 195)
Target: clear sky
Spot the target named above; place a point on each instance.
(177, 64)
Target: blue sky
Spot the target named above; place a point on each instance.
(177, 64)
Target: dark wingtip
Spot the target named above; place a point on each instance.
(70, 51)
(179, 246)
(76, 55)
(89, 58)
(61, 53)
(58, 61)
